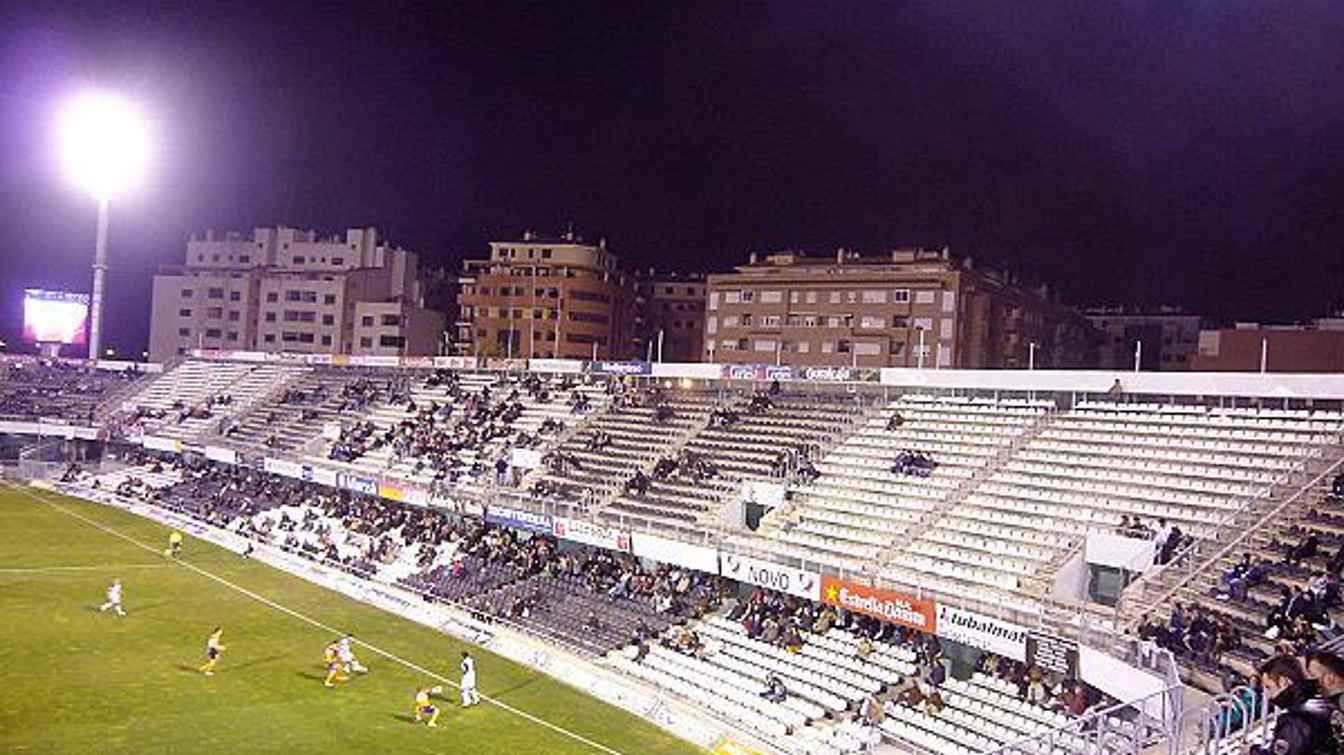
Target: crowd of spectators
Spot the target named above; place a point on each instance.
(911, 463)
(32, 389)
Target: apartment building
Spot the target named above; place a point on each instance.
(1249, 347)
(905, 308)
(286, 289)
(1165, 338)
(671, 315)
(548, 297)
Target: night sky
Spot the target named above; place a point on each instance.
(1144, 152)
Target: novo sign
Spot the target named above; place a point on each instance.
(985, 632)
(885, 605)
(753, 571)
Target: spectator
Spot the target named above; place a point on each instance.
(1303, 726)
(775, 691)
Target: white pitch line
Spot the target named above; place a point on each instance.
(100, 567)
(284, 609)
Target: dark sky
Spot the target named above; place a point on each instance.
(1182, 152)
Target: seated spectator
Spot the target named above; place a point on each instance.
(895, 422)
(1303, 550)
(775, 691)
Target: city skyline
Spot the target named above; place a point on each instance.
(1168, 155)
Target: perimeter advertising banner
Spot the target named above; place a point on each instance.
(886, 605)
(518, 519)
(562, 366)
(618, 368)
(356, 483)
(455, 363)
(756, 372)
(588, 533)
(785, 579)
(985, 632)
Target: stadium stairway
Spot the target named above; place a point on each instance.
(1284, 519)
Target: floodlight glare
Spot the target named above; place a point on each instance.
(104, 143)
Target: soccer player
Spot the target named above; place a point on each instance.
(212, 651)
(332, 655)
(174, 544)
(348, 659)
(113, 598)
(469, 694)
(424, 707)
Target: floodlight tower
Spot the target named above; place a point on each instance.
(104, 142)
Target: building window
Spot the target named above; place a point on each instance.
(293, 296)
(244, 258)
(366, 342)
(366, 321)
(843, 346)
(874, 296)
(272, 297)
(835, 297)
(924, 297)
(233, 315)
(270, 338)
(748, 297)
(328, 320)
(214, 313)
(233, 335)
(215, 293)
(184, 313)
(870, 321)
(338, 260)
(270, 317)
(213, 333)
(329, 299)
(769, 297)
(392, 320)
(392, 342)
(326, 340)
(187, 293)
(770, 321)
(299, 260)
(184, 332)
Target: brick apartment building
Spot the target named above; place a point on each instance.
(285, 289)
(548, 297)
(904, 308)
(1318, 348)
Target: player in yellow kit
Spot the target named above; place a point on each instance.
(212, 650)
(174, 544)
(424, 707)
(332, 655)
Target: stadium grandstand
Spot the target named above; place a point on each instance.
(814, 562)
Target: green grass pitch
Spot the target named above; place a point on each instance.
(73, 680)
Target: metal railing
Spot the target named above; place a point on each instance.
(1269, 516)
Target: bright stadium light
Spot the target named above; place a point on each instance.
(104, 145)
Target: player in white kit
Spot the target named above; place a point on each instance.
(113, 598)
(347, 656)
(469, 695)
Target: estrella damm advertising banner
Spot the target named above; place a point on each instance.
(886, 605)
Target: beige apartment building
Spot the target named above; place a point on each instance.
(540, 297)
(290, 290)
(671, 314)
(904, 308)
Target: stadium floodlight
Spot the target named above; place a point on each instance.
(104, 146)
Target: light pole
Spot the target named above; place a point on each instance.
(104, 143)
(1031, 355)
